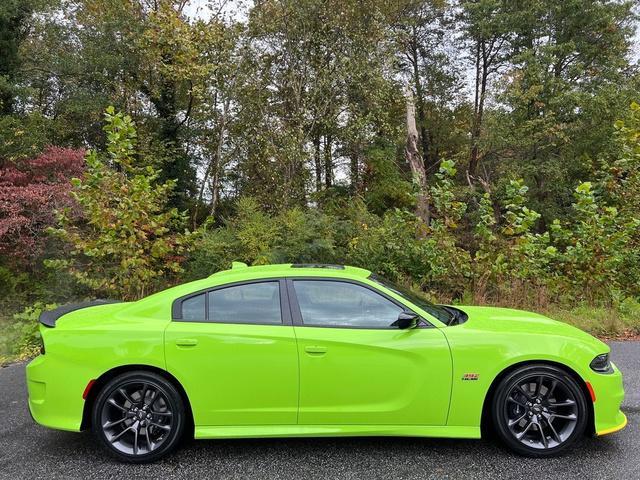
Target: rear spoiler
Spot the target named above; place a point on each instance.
(49, 317)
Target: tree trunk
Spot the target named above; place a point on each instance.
(355, 170)
(328, 161)
(412, 154)
(317, 161)
(431, 163)
(482, 76)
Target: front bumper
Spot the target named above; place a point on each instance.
(609, 393)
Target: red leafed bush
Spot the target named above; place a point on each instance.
(30, 193)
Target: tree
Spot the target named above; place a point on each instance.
(30, 192)
(127, 239)
(14, 15)
(415, 161)
(486, 26)
(567, 81)
(424, 36)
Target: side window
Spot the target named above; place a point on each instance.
(250, 303)
(342, 304)
(193, 309)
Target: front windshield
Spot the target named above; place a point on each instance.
(438, 312)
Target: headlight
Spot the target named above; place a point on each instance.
(601, 364)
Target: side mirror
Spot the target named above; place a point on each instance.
(406, 320)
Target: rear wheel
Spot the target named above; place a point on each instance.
(138, 417)
(539, 410)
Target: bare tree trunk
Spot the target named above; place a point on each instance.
(328, 161)
(412, 154)
(431, 162)
(484, 60)
(355, 171)
(317, 161)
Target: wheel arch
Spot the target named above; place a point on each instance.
(102, 380)
(486, 425)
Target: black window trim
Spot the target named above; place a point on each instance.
(296, 313)
(285, 311)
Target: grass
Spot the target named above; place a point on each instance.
(600, 322)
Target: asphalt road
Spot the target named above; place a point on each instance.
(31, 452)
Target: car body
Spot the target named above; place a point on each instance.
(308, 350)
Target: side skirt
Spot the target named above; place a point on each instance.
(265, 431)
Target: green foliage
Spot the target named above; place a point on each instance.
(286, 141)
(127, 239)
(595, 248)
(257, 238)
(21, 338)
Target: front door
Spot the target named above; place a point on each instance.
(355, 368)
(234, 352)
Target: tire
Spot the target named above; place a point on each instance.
(539, 410)
(138, 417)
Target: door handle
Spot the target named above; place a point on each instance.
(186, 342)
(315, 350)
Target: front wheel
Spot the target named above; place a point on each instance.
(539, 410)
(138, 417)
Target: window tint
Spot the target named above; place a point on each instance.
(251, 303)
(342, 304)
(193, 308)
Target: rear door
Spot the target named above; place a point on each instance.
(234, 351)
(355, 368)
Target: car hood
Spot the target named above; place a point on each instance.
(508, 320)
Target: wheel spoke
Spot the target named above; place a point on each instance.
(539, 386)
(523, 432)
(114, 423)
(143, 394)
(544, 437)
(565, 417)
(126, 396)
(135, 440)
(513, 400)
(525, 393)
(154, 397)
(162, 414)
(159, 425)
(111, 401)
(554, 433)
(565, 403)
(517, 420)
(553, 387)
(117, 437)
(150, 444)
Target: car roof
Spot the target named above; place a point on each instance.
(240, 269)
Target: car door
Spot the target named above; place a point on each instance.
(233, 349)
(357, 369)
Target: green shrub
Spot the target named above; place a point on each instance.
(21, 338)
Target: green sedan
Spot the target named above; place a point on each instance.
(316, 350)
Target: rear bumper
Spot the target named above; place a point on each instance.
(53, 404)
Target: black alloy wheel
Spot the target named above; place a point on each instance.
(539, 410)
(138, 416)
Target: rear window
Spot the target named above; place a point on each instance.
(253, 303)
